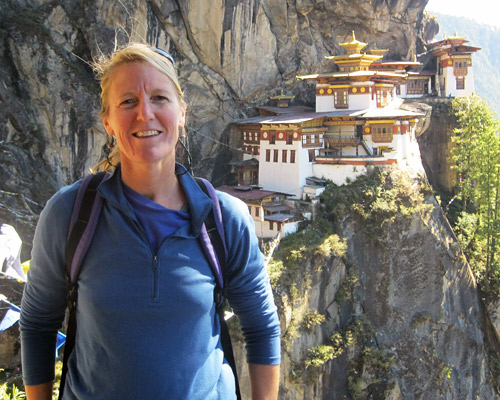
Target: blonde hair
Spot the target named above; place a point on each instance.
(105, 68)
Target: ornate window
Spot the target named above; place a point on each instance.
(340, 97)
(416, 86)
(382, 133)
(460, 68)
(460, 83)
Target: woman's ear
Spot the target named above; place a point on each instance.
(109, 131)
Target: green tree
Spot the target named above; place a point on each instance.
(476, 158)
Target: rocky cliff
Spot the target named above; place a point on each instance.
(377, 301)
(231, 56)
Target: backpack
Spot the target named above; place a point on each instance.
(84, 219)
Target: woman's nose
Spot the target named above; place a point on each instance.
(145, 111)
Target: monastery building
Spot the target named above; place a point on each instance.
(358, 123)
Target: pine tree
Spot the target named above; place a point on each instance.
(476, 158)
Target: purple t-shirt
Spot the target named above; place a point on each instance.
(158, 222)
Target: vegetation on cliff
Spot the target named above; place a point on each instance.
(373, 203)
(476, 214)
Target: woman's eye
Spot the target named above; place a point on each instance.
(127, 102)
(160, 98)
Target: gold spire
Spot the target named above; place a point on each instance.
(354, 46)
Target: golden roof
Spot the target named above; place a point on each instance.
(377, 52)
(354, 46)
(282, 96)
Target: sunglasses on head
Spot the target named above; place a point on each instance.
(164, 54)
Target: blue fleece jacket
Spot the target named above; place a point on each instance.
(147, 325)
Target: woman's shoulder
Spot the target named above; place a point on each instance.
(236, 217)
(61, 202)
(232, 207)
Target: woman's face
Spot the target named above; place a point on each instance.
(144, 114)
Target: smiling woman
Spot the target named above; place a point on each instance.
(148, 326)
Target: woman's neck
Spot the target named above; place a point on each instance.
(157, 182)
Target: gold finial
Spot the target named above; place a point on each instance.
(456, 34)
(353, 37)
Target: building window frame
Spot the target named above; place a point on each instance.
(341, 98)
(382, 133)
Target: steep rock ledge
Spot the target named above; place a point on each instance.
(402, 314)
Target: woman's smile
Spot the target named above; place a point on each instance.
(146, 134)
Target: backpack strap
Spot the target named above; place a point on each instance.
(84, 218)
(213, 242)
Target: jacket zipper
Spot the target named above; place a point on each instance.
(155, 279)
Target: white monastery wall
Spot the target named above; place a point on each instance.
(361, 101)
(306, 170)
(450, 81)
(280, 176)
(324, 103)
(469, 83)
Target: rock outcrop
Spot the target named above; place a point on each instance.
(401, 314)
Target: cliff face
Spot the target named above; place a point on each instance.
(231, 56)
(394, 314)
(435, 144)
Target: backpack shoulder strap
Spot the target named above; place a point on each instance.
(214, 245)
(84, 218)
(213, 239)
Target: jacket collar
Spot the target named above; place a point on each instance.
(199, 203)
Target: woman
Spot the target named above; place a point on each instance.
(147, 327)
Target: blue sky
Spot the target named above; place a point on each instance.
(484, 11)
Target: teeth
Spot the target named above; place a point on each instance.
(147, 133)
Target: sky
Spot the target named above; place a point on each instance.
(484, 11)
